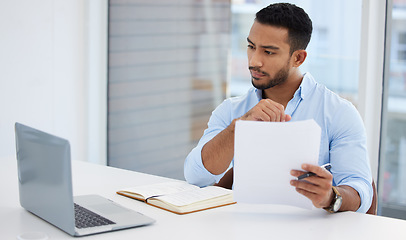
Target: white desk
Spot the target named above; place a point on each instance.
(236, 221)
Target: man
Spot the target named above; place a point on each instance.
(276, 48)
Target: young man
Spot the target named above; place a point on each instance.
(276, 48)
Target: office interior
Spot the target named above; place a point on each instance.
(131, 84)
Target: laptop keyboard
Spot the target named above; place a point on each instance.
(85, 218)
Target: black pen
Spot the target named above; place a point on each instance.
(326, 166)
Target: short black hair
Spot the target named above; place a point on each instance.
(289, 16)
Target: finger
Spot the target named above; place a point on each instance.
(322, 184)
(310, 195)
(278, 114)
(305, 186)
(273, 114)
(319, 171)
(278, 110)
(256, 114)
(296, 173)
(261, 116)
(315, 198)
(275, 110)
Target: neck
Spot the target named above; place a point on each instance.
(283, 93)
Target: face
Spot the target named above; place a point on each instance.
(268, 55)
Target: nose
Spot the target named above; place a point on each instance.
(254, 59)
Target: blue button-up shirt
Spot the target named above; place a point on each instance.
(343, 138)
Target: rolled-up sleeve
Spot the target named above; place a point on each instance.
(349, 155)
(194, 170)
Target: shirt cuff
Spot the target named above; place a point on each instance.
(365, 192)
(196, 173)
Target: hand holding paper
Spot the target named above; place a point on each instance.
(265, 153)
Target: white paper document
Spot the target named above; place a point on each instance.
(264, 154)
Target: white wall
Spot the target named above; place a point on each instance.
(45, 81)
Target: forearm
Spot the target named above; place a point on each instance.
(351, 198)
(218, 153)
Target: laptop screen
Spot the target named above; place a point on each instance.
(44, 174)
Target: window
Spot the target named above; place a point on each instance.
(401, 47)
(392, 170)
(167, 72)
(402, 38)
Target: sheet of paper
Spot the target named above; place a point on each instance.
(264, 154)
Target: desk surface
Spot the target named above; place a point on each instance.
(238, 221)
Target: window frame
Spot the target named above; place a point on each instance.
(371, 75)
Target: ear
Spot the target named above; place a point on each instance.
(298, 57)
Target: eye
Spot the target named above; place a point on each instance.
(269, 52)
(250, 47)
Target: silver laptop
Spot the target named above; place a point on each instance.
(45, 185)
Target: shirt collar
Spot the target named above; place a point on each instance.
(304, 89)
(308, 83)
(258, 92)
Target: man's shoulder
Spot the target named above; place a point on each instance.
(339, 111)
(334, 104)
(337, 100)
(329, 96)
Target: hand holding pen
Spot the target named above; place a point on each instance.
(326, 166)
(314, 183)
